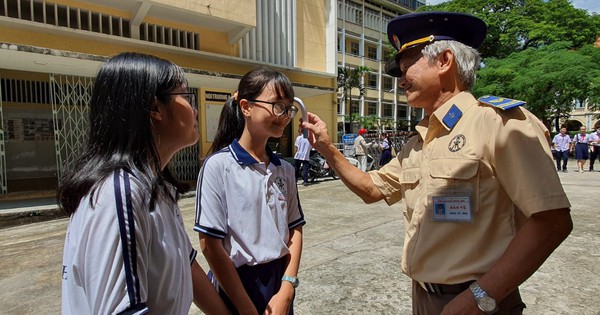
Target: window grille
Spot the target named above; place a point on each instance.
(39, 11)
(169, 36)
(25, 91)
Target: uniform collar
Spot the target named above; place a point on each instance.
(451, 112)
(244, 158)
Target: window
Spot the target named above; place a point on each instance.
(402, 111)
(169, 36)
(372, 81)
(65, 16)
(388, 84)
(372, 52)
(354, 48)
(387, 110)
(371, 108)
(354, 107)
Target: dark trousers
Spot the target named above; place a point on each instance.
(562, 156)
(304, 165)
(261, 283)
(593, 156)
(425, 303)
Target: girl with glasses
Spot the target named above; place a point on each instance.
(247, 209)
(126, 249)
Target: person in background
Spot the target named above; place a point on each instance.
(595, 147)
(126, 250)
(562, 146)
(248, 214)
(386, 149)
(360, 149)
(580, 146)
(505, 214)
(302, 156)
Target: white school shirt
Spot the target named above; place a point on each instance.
(122, 258)
(562, 143)
(250, 206)
(303, 148)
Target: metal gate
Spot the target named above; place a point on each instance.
(185, 164)
(71, 97)
(3, 178)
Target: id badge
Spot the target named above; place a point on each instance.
(453, 206)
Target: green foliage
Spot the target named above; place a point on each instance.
(515, 25)
(349, 78)
(550, 78)
(539, 51)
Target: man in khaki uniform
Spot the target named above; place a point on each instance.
(360, 149)
(485, 162)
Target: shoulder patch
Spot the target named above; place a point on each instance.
(502, 103)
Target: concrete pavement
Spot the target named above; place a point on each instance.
(350, 262)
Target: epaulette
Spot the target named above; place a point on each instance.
(502, 103)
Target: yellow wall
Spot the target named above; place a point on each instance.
(311, 28)
(243, 11)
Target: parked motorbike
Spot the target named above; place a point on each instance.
(318, 167)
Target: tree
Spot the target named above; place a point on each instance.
(349, 78)
(551, 79)
(515, 25)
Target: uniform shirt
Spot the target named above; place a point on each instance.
(303, 148)
(360, 145)
(562, 142)
(501, 159)
(385, 144)
(121, 257)
(578, 138)
(250, 206)
(595, 137)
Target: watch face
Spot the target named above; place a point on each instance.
(487, 304)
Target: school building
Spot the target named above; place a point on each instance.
(50, 51)
(362, 41)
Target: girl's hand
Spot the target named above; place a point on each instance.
(280, 303)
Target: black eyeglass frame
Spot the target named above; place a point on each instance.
(290, 110)
(193, 102)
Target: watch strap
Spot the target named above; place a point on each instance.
(293, 280)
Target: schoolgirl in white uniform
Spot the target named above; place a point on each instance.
(126, 250)
(247, 210)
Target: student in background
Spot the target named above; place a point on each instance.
(580, 146)
(562, 146)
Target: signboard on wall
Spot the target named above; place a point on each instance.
(214, 105)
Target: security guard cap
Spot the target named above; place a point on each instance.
(416, 29)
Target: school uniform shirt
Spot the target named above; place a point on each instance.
(562, 142)
(303, 148)
(120, 257)
(487, 169)
(578, 138)
(250, 206)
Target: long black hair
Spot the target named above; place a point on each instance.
(252, 84)
(120, 134)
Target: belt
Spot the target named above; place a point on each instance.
(439, 289)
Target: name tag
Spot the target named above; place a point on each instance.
(452, 209)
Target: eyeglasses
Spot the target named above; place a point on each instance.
(190, 97)
(280, 109)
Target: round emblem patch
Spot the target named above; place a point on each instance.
(280, 182)
(457, 143)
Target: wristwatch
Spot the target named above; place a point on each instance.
(293, 280)
(486, 303)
